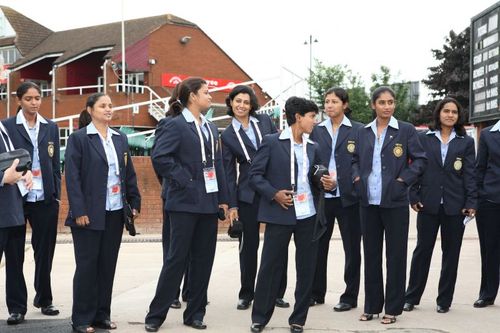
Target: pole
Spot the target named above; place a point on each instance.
(123, 45)
(310, 63)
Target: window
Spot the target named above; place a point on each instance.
(63, 136)
(135, 79)
(9, 55)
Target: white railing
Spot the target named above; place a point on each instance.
(99, 87)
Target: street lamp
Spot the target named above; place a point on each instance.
(311, 41)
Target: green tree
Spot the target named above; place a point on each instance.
(451, 76)
(325, 77)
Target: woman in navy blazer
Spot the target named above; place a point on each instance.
(280, 173)
(488, 226)
(442, 196)
(13, 233)
(240, 141)
(387, 160)
(187, 154)
(100, 181)
(336, 139)
(40, 137)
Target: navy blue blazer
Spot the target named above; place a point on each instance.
(11, 202)
(344, 149)
(402, 157)
(48, 152)
(454, 181)
(177, 157)
(270, 173)
(238, 185)
(86, 171)
(163, 182)
(488, 165)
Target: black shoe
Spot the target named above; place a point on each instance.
(198, 324)
(343, 307)
(482, 303)
(442, 309)
(296, 328)
(243, 304)
(256, 327)
(408, 307)
(314, 302)
(281, 303)
(50, 310)
(176, 304)
(151, 327)
(15, 319)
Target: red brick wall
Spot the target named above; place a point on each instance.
(150, 221)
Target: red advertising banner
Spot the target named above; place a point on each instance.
(171, 80)
(3, 73)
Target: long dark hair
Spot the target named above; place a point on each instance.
(180, 95)
(436, 122)
(254, 104)
(23, 89)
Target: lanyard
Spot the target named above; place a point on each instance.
(243, 147)
(202, 144)
(292, 161)
(9, 146)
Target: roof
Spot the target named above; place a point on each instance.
(72, 43)
(28, 32)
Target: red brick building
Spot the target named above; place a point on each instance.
(70, 65)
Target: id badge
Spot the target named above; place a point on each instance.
(37, 179)
(301, 204)
(210, 180)
(114, 190)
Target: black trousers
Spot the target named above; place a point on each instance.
(193, 237)
(12, 241)
(96, 254)
(165, 237)
(393, 222)
(452, 231)
(274, 253)
(488, 227)
(249, 246)
(42, 218)
(350, 231)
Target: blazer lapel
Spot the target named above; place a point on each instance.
(119, 151)
(97, 144)
(436, 150)
(20, 128)
(343, 134)
(42, 133)
(389, 136)
(450, 154)
(246, 139)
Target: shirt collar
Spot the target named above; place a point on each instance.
(328, 122)
(20, 119)
(496, 127)
(91, 129)
(393, 122)
(190, 119)
(236, 123)
(286, 134)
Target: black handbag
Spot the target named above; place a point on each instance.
(318, 171)
(129, 220)
(235, 230)
(7, 158)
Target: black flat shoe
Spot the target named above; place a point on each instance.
(482, 303)
(281, 303)
(197, 324)
(343, 307)
(15, 319)
(50, 310)
(408, 307)
(175, 304)
(256, 327)
(294, 328)
(151, 327)
(314, 302)
(442, 309)
(105, 324)
(83, 329)
(243, 304)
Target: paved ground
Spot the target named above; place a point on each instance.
(140, 263)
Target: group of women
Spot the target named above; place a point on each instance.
(255, 175)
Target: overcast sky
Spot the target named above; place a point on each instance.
(266, 38)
